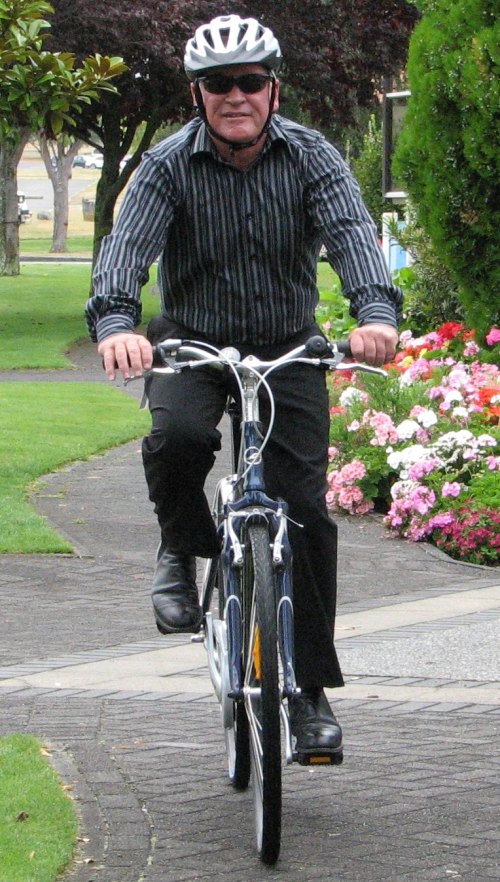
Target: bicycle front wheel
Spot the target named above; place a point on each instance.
(262, 691)
(234, 718)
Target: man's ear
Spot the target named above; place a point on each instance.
(193, 96)
(276, 102)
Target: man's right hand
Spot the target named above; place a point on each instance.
(130, 353)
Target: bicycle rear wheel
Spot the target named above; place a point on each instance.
(262, 691)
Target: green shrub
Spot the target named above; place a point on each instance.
(430, 288)
(447, 153)
(367, 168)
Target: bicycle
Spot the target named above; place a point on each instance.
(246, 594)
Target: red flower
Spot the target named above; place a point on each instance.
(487, 393)
(450, 330)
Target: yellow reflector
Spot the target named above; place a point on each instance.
(257, 663)
(318, 760)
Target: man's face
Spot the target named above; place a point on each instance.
(237, 115)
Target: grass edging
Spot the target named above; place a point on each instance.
(38, 820)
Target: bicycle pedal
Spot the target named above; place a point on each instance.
(319, 759)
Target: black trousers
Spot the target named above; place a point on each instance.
(180, 451)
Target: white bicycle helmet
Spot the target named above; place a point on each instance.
(229, 39)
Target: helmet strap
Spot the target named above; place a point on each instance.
(199, 108)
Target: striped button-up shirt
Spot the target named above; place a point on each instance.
(237, 249)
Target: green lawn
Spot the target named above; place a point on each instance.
(46, 425)
(38, 823)
(41, 245)
(41, 314)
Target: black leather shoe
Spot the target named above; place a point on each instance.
(174, 593)
(318, 734)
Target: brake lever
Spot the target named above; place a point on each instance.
(353, 366)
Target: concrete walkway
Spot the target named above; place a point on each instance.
(136, 731)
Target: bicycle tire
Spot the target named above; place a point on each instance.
(236, 729)
(262, 696)
(237, 736)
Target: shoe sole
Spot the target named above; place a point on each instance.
(193, 629)
(320, 757)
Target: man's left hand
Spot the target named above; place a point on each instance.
(374, 344)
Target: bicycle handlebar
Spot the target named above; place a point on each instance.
(317, 350)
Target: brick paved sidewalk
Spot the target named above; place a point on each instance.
(417, 797)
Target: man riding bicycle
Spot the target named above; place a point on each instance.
(237, 205)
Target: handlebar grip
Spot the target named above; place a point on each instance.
(157, 356)
(162, 350)
(344, 347)
(318, 347)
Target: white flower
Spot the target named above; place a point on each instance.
(460, 413)
(350, 395)
(401, 460)
(427, 418)
(453, 395)
(407, 429)
(400, 489)
(486, 441)
(450, 440)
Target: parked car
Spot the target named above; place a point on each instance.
(94, 160)
(89, 160)
(23, 211)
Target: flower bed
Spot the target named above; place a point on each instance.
(423, 445)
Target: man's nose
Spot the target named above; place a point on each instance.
(236, 94)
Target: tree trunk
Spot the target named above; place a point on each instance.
(113, 180)
(10, 154)
(58, 158)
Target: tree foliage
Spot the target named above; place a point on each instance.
(448, 150)
(334, 51)
(39, 90)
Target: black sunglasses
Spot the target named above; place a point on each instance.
(220, 84)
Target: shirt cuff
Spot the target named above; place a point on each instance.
(377, 312)
(114, 323)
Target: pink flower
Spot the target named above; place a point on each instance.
(471, 348)
(349, 496)
(424, 467)
(493, 336)
(452, 488)
(343, 491)
(353, 471)
(332, 453)
(493, 463)
(383, 426)
(441, 520)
